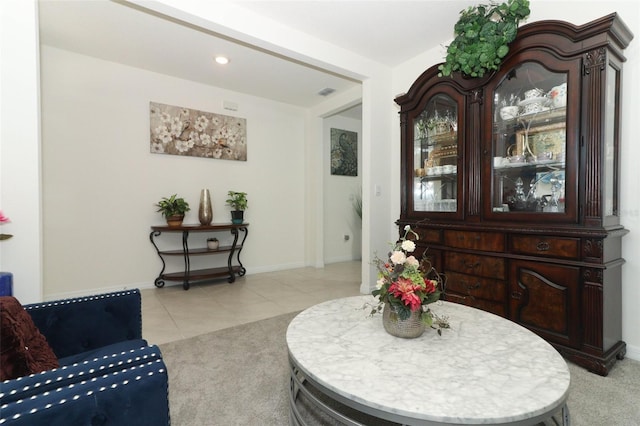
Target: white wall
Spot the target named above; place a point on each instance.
(101, 181)
(376, 133)
(340, 218)
(378, 224)
(316, 160)
(20, 148)
(580, 13)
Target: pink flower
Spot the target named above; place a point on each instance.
(430, 286)
(405, 290)
(412, 261)
(4, 219)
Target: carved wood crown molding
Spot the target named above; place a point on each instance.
(595, 58)
(476, 96)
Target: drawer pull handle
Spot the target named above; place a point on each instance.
(516, 295)
(543, 246)
(473, 286)
(472, 265)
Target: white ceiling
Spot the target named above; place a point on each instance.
(389, 32)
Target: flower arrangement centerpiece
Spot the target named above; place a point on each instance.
(405, 288)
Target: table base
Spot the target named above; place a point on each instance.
(350, 413)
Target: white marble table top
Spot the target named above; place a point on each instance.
(483, 370)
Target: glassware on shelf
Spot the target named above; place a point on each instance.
(435, 155)
(528, 140)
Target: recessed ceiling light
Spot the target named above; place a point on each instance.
(222, 60)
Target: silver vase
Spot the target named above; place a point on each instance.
(205, 212)
(410, 328)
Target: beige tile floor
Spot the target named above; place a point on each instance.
(171, 313)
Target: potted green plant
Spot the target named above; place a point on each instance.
(173, 209)
(238, 202)
(482, 37)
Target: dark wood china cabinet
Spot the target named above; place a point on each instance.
(512, 183)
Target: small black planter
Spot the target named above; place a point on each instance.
(237, 216)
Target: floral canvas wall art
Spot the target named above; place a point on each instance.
(189, 132)
(344, 152)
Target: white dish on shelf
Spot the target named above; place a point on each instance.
(544, 109)
(531, 163)
(509, 112)
(512, 165)
(544, 161)
(534, 105)
(541, 100)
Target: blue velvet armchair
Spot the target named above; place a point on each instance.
(108, 374)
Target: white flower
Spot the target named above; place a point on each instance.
(205, 139)
(163, 134)
(407, 228)
(408, 246)
(412, 261)
(158, 148)
(201, 123)
(398, 257)
(176, 127)
(379, 283)
(182, 146)
(194, 138)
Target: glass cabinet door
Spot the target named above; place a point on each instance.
(435, 156)
(529, 141)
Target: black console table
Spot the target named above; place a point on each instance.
(188, 275)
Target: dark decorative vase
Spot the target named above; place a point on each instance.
(205, 212)
(410, 328)
(237, 216)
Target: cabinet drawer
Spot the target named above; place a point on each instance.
(429, 235)
(486, 305)
(487, 241)
(471, 264)
(484, 288)
(546, 246)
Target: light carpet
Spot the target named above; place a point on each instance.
(239, 376)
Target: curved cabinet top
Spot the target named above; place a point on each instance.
(562, 38)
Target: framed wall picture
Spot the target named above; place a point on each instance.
(182, 131)
(344, 152)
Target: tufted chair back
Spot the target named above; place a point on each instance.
(63, 320)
